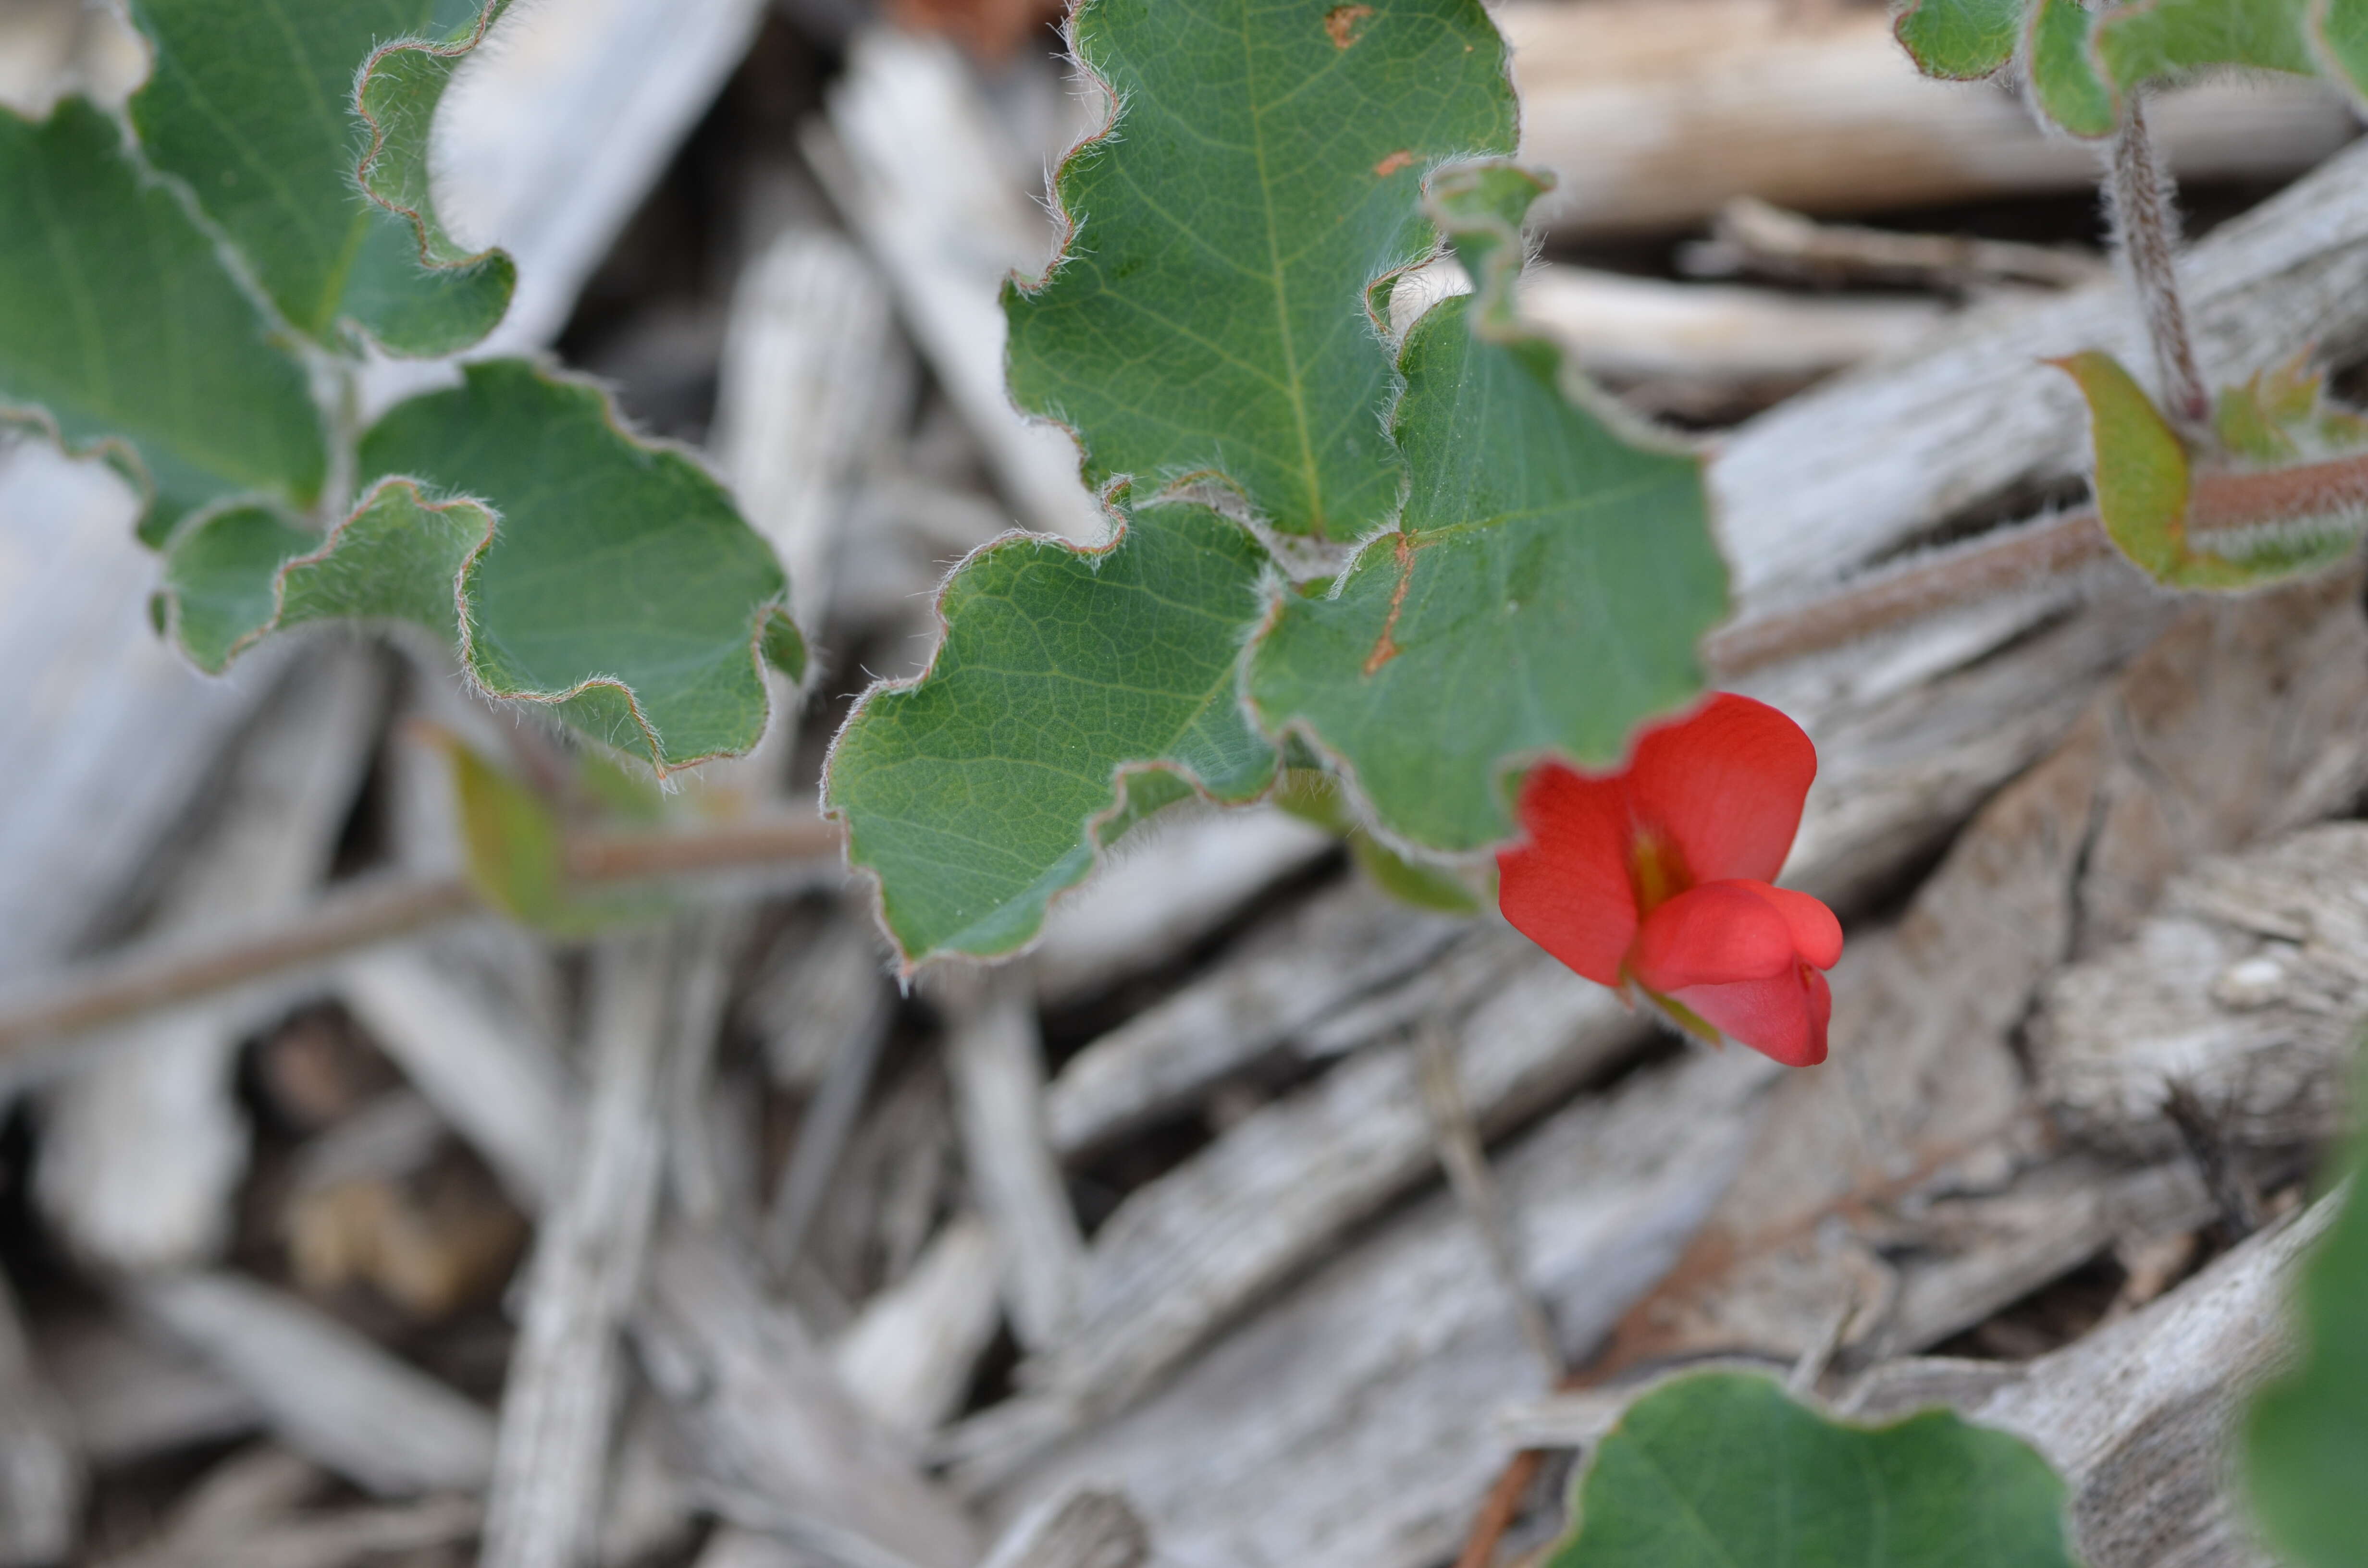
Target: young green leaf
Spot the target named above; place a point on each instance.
(2167, 38)
(621, 583)
(1723, 1471)
(1209, 315)
(2282, 415)
(2306, 1439)
(514, 851)
(120, 331)
(1960, 41)
(2063, 80)
(254, 104)
(1543, 592)
(979, 792)
(2144, 488)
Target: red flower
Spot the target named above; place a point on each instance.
(1657, 878)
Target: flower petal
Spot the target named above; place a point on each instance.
(1713, 935)
(1817, 935)
(1564, 886)
(1726, 784)
(1782, 1017)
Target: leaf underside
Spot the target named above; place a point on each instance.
(1209, 315)
(1543, 593)
(2144, 486)
(120, 329)
(1723, 1471)
(974, 794)
(252, 104)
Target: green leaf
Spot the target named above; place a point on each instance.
(979, 792)
(1209, 316)
(1546, 588)
(621, 585)
(2143, 490)
(1723, 1471)
(514, 848)
(1960, 41)
(120, 331)
(253, 103)
(1313, 795)
(2167, 38)
(2063, 80)
(2340, 32)
(2306, 1437)
(2284, 414)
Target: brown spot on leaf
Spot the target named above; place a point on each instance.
(1343, 23)
(1385, 647)
(1394, 163)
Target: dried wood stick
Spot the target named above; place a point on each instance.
(831, 1005)
(330, 1394)
(141, 1155)
(559, 1402)
(1465, 1161)
(996, 1058)
(779, 1444)
(1086, 1529)
(42, 1474)
(910, 1355)
(1753, 234)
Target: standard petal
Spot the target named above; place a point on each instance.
(1817, 935)
(1713, 935)
(1566, 885)
(1727, 783)
(1782, 1017)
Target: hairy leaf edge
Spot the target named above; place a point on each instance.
(1122, 777)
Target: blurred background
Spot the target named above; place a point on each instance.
(704, 1242)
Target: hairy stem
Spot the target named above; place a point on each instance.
(2220, 504)
(151, 977)
(2146, 230)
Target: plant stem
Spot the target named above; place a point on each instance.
(151, 977)
(2219, 505)
(2145, 228)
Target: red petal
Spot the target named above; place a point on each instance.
(1782, 1017)
(1713, 935)
(1817, 935)
(1726, 784)
(1566, 885)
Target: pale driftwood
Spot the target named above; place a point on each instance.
(42, 1475)
(51, 47)
(1847, 472)
(651, 1507)
(825, 1016)
(486, 1070)
(2140, 1415)
(1085, 1530)
(1152, 898)
(142, 1153)
(710, 943)
(909, 1356)
(926, 176)
(549, 139)
(133, 1393)
(330, 1394)
(766, 1421)
(1348, 1423)
(1654, 112)
(1628, 328)
(815, 383)
(1751, 235)
(558, 1401)
(996, 1058)
(1286, 978)
(1184, 1256)
(2246, 988)
(247, 1511)
(733, 1547)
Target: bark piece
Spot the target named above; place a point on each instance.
(559, 1404)
(330, 1394)
(2245, 987)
